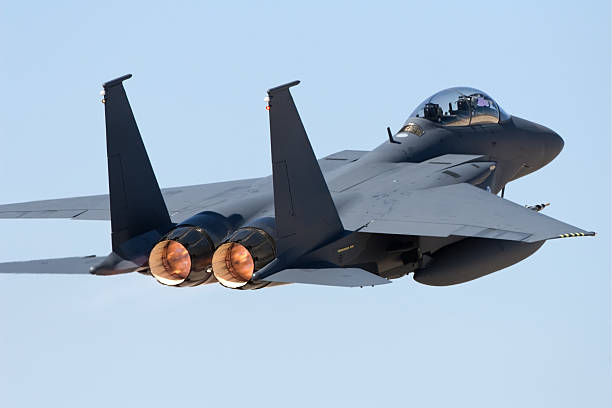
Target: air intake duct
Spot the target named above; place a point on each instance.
(183, 257)
(246, 251)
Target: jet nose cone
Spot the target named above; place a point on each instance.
(553, 144)
(546, 142)
(559, 142)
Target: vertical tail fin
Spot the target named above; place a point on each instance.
(136, 202)
(304, 210)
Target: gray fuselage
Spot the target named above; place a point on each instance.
(516, 146)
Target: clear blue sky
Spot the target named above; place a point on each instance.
(536, 334)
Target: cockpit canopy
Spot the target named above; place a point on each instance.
(460, 107)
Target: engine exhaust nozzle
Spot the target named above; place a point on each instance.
(246, 251)
(170, 262)
(183, 258)
(233, 265)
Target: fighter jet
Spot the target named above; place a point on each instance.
(426, 201)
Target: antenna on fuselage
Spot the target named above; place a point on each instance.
(391, 136)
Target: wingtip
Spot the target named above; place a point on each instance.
(578, 234)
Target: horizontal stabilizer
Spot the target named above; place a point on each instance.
(347, 277)
(61, 266)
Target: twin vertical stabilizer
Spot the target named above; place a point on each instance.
(305, 214)
(136, 202)
(138, 211)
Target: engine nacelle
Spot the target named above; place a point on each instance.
(246, 251)
(183, 257)
(473, 258)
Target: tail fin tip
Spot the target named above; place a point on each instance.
(279, 88)
(116, 81)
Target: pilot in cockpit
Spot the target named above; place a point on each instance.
(466, 106)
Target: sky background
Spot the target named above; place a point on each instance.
(535, 334)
